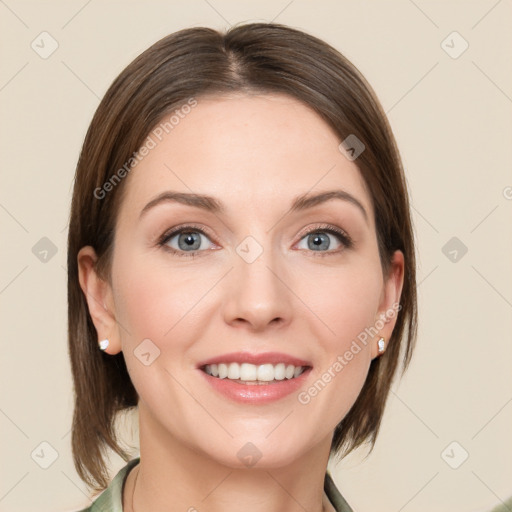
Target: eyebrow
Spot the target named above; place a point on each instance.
(209, 203)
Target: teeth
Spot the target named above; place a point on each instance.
(251, 372)
(223, 371)
(233, 371)
(248, 371)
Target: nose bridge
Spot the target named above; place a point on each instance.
(257, 293)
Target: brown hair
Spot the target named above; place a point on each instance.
(253, 58)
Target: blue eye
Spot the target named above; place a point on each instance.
(185, 241)
(190, 241)
(321, 240)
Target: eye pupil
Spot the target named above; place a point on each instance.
(191, 240)
(320, 240)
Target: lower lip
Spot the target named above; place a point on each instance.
(256, 393)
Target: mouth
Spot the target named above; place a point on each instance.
(255, 378)
(251, 374)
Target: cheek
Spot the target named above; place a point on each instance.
(156, 304)
(347, 307)
(152, 301)
(141, 307)
(347, 301)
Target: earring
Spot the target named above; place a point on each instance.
(381, 343)
(103, 344)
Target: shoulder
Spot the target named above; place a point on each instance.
(111, 499)
(338, 501)
(504, 507)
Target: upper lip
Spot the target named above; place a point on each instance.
(256, 359)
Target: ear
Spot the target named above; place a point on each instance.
(389, 306)
(98, 294)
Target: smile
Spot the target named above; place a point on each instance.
(247, 373)
(255, 378)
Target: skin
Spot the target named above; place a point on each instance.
(255, 154)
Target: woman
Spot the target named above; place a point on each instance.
(241, 270)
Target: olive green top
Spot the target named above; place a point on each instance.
(111, 499)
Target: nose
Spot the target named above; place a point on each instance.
(257, 294)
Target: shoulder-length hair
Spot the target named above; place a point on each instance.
(254, 58)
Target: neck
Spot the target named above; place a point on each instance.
(172, 472)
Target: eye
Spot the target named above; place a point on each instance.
(327, 239)
(190, 240)
(185, 241)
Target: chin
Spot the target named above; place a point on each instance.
(258, 452)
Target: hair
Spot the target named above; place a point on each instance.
(255, 58)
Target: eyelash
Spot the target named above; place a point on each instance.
(342, 236)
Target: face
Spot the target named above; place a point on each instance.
(253, 279)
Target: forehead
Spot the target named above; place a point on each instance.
(242, 148)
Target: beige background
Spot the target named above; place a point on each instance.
(452, 119)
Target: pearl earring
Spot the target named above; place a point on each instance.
(103, 344)
(381, 343)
